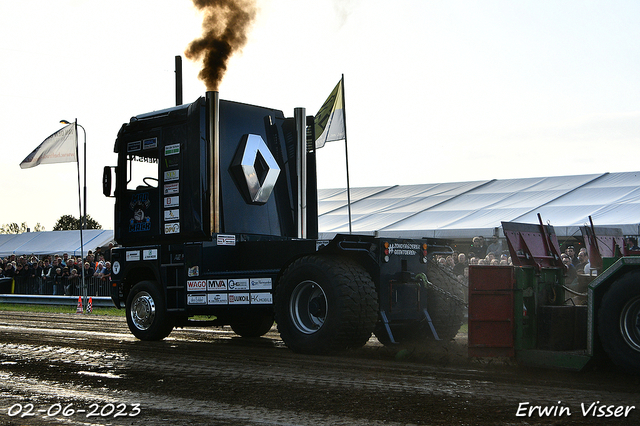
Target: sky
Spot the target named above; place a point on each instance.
(435, 91)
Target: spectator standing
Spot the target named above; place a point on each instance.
(572, 274)
(9, 270)
(72, 281)
(495, 246)
(462, 263)
(20, 277)
(570, 251)
(583, 260)
(478, 247)
(30, 275)
(45, 275)
(106, 272)
(88, 274)
(56, 278)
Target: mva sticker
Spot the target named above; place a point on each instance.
(216, 285)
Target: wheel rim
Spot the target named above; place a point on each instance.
(143, 310)
(308, 307)
(630, 323)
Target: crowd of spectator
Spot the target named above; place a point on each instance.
(479, 253)
(496, 254)
(55, 274)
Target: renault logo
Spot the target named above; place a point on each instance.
(255, 169)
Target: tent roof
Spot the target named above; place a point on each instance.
(467, 209)
(54, 242)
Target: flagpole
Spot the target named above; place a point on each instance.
(81, 221)
(346, 154)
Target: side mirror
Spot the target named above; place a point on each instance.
(106, 181)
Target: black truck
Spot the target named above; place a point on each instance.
(216, 215)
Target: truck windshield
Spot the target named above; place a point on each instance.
(142, 172)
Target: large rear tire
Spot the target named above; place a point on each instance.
(147, 315)
(325, 304)
(619, 322)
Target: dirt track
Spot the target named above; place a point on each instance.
(66, 363)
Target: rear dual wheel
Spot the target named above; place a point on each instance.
(325, 304)
(619, 322)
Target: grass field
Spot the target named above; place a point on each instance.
(59, 309)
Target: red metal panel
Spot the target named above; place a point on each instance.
(491, 319)
(489, 278)
(532, 245)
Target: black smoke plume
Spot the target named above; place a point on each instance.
(225, 26)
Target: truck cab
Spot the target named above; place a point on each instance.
(216, 214)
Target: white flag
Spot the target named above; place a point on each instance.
(329, 121)
(60, 147)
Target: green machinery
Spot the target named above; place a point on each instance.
(529, 311)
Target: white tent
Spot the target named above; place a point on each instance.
(54, 242)
(467, 209)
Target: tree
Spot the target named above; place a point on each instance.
(14, 228)
(68, 222)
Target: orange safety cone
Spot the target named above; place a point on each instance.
(90, 306)
(79, 310)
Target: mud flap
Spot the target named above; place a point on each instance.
(385, 321)
(433, 329)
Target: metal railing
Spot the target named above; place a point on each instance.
(62, 287)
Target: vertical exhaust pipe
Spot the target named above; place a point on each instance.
(213, 136)
(178, 80)
(300, 117)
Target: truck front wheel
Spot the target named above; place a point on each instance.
(325, 304)
(619, 322)
(147, 315)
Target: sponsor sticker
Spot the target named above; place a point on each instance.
(132, 256)
(238, 284)
(172, 228)
(172, 149)
(216, 285)
(404, 249)
(226, 240)
(173, 214)
(197, 285)
(171, 175)
(134, 146)
(170, 162)
(261, 298)
(239, 298)
(150, 143)
(260, 283)
(150, 254)
(171, 188)
(171, 201)
(194, 271)
(217, 299)
(196, 299)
